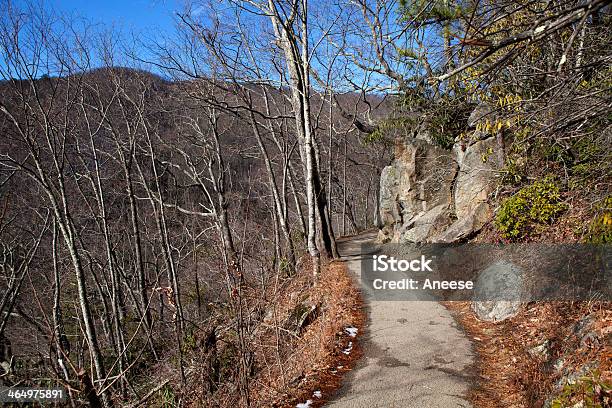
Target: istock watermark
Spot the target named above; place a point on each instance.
(483, 272)
(385, 263)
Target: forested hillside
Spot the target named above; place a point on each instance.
(149, 225)
(170, 206)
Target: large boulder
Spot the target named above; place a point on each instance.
(389, 184)
(478, 166)
(463, 228)
(499, 291)
(426, 224)
(416, 191)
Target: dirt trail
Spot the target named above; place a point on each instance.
(414, 354)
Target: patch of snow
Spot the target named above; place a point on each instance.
(348, 350)
(351, 331)
(306, 404)
(317, 394)
(540, 29)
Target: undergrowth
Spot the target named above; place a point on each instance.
(532, 207)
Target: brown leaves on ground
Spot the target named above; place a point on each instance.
(297, 365)
(512, 376)
(296, 342)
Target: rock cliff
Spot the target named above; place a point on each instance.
(429, 194)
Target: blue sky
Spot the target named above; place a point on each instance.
(153, 22)
(149, 17)
(148, 21)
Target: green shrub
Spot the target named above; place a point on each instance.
(600, 229)
(531, 207)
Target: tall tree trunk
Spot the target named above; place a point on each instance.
(344, 187)
(298, 66)
(162, 229)
(114, 275)
(275, 194)
(65, 223)
(143, 295)
(296, 200)
(326, 233)
(62, 345)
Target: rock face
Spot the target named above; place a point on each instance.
(432, 195)
(477, 167)
(481, 113)
(416, 192)
(429, 194)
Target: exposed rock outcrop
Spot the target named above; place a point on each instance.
(429, 194)
(477, 167)
(432, 195)
(416, 192)
(481, 113)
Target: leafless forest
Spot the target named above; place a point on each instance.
(157, 196)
